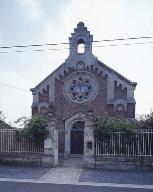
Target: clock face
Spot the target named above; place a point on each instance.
(80, 87)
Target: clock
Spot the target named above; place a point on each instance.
(80, 87)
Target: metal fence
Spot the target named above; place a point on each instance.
(121, 144)
(13, 141)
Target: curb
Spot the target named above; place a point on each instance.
(79, 183)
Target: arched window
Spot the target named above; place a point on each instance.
(78, 126)
(81, 46)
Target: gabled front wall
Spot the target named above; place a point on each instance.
(114, 93)
(62, 108)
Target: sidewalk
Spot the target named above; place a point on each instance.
(72, 175)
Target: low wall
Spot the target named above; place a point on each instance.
(112, 162)
(34, 159)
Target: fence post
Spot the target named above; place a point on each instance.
(55, 147)
(89, 156)
(95, 150)
(50, 146)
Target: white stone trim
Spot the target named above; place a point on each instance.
(68, 125)
(120, 101)
(43, 104)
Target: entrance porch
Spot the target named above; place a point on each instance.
(79, 138)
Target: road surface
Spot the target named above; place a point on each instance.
(10, 186)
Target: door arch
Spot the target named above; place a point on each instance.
(77, 137)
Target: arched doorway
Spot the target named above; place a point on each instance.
(77, 137)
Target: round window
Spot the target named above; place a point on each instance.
(80, 87)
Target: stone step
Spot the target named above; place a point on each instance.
(76, 156)
(77, 162)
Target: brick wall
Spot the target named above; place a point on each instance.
(65, 108)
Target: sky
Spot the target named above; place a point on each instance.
(24, 22)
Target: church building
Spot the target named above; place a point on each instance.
(80, 87)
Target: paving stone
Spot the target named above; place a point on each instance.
(117, 176)
(21, 172)
(72, 174)
(69, 175)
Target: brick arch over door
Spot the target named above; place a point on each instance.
(68, 125)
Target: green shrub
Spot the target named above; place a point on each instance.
(111, 124)
(34, 128)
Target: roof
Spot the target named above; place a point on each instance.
(109, 69)
(116, 73)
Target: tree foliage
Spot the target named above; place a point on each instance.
(108, 124)
(37, 127)
(34, 128)
(22, 122)
(145, 121)
(3, 124)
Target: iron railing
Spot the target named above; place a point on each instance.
(12, 141)
(122, 144)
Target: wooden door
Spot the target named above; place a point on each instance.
(77, 142)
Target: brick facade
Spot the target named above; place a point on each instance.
(115, 92)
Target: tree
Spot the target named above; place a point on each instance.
(108, 124)
(3, 124)
(34, 128)
(22, 122)
(145, 121)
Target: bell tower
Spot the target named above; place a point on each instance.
(80, 41)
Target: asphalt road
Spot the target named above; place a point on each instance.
(6, 186)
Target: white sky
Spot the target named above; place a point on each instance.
(50, 21)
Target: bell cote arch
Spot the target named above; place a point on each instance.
(81, 40)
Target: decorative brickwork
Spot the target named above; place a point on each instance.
(110, 109)
(34, 110)
(65, 108)
(119, 92)
(130, 110)
(81, 85)
(44, 95)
